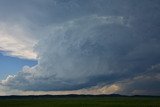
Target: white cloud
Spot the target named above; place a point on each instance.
(14, 42)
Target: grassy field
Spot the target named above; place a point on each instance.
(82, 102)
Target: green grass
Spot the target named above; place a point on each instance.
(83, 102)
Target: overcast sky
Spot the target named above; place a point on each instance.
(79, 47)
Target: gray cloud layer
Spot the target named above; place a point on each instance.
(84, 43)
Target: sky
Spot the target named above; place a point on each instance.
(79, 47)
(10, 65)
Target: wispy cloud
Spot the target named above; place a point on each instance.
(14, 42)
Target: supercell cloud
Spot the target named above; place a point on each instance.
(82, 44)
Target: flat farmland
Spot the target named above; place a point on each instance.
(82, 101)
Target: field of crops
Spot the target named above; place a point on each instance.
(82, 102)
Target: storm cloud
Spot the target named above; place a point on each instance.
(85, 43)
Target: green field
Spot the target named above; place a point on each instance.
(82, 102)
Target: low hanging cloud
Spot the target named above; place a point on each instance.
(101, 46)
(143, 84)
